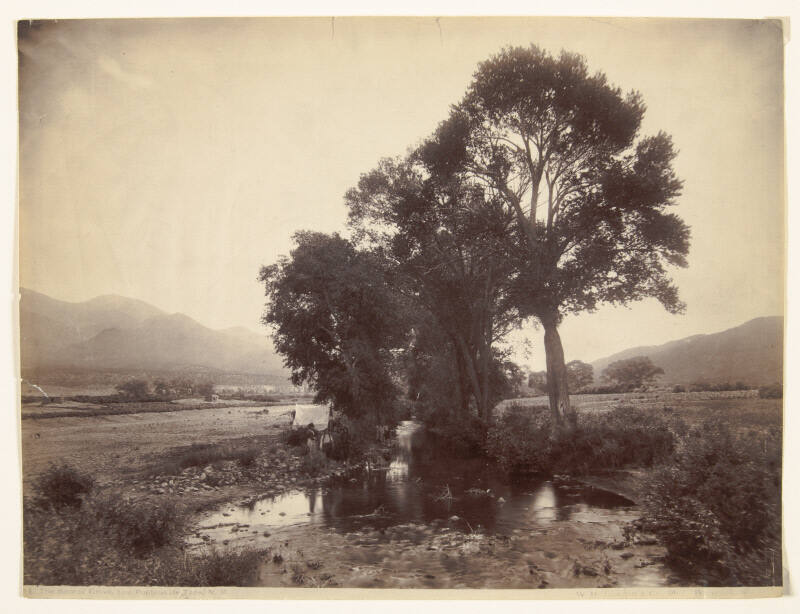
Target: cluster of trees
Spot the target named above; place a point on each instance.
(162, 389)
(580, 375)
(631, 373)
(536, 198)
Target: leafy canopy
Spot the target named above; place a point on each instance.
(632, 372)
(558, 147)
(336, 322)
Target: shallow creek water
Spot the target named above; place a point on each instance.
(433, 521)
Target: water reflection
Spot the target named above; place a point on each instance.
(544, 503)
(423, 485)
(401, 462)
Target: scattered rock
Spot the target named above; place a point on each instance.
(584, 570)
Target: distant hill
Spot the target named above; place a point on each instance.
(115, 332)
(751, 353)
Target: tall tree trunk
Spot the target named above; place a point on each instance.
(557, 388)
(484, 380)
(463, 382)
(469, 363)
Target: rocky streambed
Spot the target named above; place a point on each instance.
(426, 520)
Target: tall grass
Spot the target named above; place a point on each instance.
(107, 540)
(523, 440)
(202, 454)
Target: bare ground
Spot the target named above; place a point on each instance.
(119, 447)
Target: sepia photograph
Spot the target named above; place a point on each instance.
(402, 303)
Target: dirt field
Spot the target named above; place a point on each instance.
(115, 447)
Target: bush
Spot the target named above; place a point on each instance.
(135, 389)
(238, 568)
(463, 436)
(718, 387)
(202, 454)
(717, 507)
(607, 389)
(773, 391)
(524, 441)
(350, 439)
(137, 527)
(62, 486)
(93, 546)
(298, 436)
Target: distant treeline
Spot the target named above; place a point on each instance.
(77, 377)
(163, 390)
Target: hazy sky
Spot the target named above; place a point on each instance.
(167, 160)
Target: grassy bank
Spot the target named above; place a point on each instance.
(77, 533)
(707, 474)
(111, 541)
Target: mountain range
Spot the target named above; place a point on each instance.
(751, 353)
(117, 333)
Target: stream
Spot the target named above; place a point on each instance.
(430, 520)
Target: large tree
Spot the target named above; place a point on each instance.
(631, 373)
(448, 247)
(579, 375)
(337, 322)
(560, 149)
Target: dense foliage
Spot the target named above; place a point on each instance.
(558, 150)
(117, 542)
(138, 389)
(631, 373)
(717, 506)
(523, 441)
(337, 322)
(537, 197)
(62, 486)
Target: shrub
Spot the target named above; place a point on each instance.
(607, 389)
(621, 437)
(463, 436)
(202, 454)
(135, 389)
(88, 547)
(351, 439)
(773, 391)
(62, 486)
(524, 441)
(298, 436)
(521, 440)
(234, 568)
(135, 526)
(717, 507)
